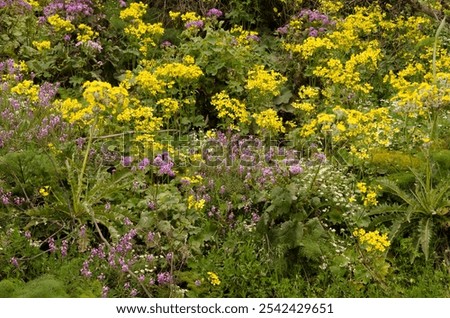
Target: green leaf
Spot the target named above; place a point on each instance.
(425, 230)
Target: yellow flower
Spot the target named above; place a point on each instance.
(27, 89)
(196, 204)
(136, 10)
(213, 279)
(42, 45)
(230, 108)
(265, 82)
(44, 191)
(373, 240)
(86, 33)
(269, 120)
(59, 23)
(174, 15)
(179, 71)
(361, 187)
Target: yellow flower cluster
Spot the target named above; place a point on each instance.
(144, 33)
(190, 16)
(59, 23)
(268, 120)
(33, 3)
(44, 191)
(179, 71)
(196, 204)
(174, 15)
(101, 98)
(213, 279)
(348, 74)
(149, 83)
(86, 33)
(194, 180)
(42, 45)
(142, 119)
(364, 130)
(243, 37)
(73, 111)
(368, 194)
(169, 106)
(417, 90)
(135, 11)
(308, 96)
(265, 82)
(331, 6)
(27, 89)
(309, 46)
(308, 92)
(230, 108)
(373, 241)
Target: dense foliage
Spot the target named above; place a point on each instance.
(257, 148)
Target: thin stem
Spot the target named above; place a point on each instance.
(83, 167)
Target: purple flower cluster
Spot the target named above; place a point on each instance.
(95, 46)
(64, 247)
(143, 164)
(164, 278)
(215, 13)
(14, 261)
(165, 164)
(47, 92)
(8, 66)
(51, 245)
(70, 9)
(85, 271)
(198, 24)
(48, 125)
(314, 15)
(20, 5)
(318, 23)
(7, 198)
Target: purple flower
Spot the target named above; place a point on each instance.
(169, 256)
(166, 44)
(127, 221)
(194, 24)
(151, 205)
(198, 282)
(150, 236)
(283, 30)
(255, 217)
(313, 32)
(51, 245)
(141, 278)
(144, 163)
(126, 161)
(94, 45)
(321, 157)
(133, 292)
(85, 269)
(105, 291)
(296, 169)
(14, 261)
(28, 234)
(164, 278)
(122, 3)
(214, 13)
(253, 38)
(64, 247)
